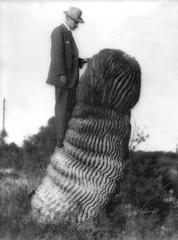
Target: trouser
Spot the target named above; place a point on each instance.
(65, 102)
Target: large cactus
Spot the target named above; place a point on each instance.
(83, 174)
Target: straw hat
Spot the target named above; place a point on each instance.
(74, 13)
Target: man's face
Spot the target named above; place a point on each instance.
(73, 24)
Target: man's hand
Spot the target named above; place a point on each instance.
(85, 60)
(63, 80)
(82, 61)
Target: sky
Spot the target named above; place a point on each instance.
(147, 30)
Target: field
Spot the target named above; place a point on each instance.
(125, 222)
(118, 220)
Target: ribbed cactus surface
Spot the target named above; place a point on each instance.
(82, 175)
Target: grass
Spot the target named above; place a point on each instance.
(124, 223)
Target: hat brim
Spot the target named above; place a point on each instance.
(79, 20)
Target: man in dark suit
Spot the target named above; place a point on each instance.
(64, 70)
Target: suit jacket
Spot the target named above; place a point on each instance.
(64, 58)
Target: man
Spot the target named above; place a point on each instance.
(64, 70)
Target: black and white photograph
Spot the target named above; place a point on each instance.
(88, 120)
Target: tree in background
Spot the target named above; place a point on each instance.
(38, 148)
(10, 156)
(3, 135)
(35, 153)
(138, 137)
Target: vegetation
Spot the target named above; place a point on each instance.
(144, 205)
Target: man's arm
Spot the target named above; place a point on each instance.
(58, 52)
